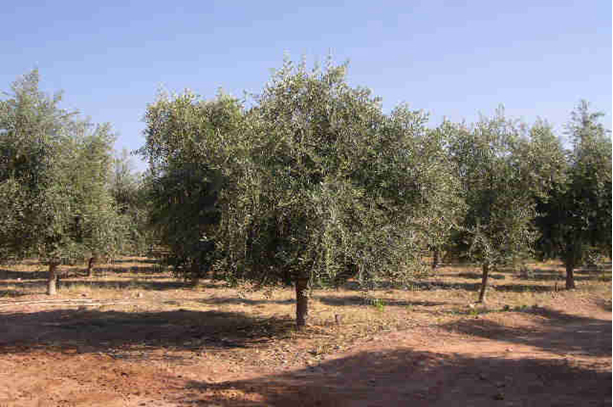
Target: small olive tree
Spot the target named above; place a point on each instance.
(497, 190)
(131, 200)
(52, 180)
(577, 215)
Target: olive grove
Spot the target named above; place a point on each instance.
(308, 183)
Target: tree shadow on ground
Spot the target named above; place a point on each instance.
(558, 332)
(362, 300)
(605, 305)
(425, 285)
(556, 275)
(106, 269)
(90, 331)
(438, 285)
(125, 284)
(474, 275)
(72, 280)
(12, 292)
(246, 301)
(537, 275)
(7, 274)
(524, 288)
(415, 378)
(136, 260)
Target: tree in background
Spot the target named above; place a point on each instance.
(545, 156)
(189, 148)
(53, 177)
(443, 190)
(128, 190)
(498, 223)
(577, 217)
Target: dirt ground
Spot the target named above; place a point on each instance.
(133, 336)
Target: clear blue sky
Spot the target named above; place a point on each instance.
(450, 58)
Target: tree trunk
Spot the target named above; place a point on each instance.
(570, 276)
(302, 301)
(52, 279)
(195, 273)
(484, 278)
(435, 258)
(90, 266)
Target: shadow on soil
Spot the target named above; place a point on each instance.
(153, 269)
(136, 260)
(471, 275)
(7, 274)
(353, 300)
(123, 284)
(443, 285)
(27, 287)
(90, 331)
(397, 377)
(246, 301)
(559, 333)
(518, 288)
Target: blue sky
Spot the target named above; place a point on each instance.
(451, 58)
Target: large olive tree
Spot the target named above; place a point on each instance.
(313, 184)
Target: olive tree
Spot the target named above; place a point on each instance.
(577, 217)
(52, 180)
(345, 189)
(129, 191)
(499, 219)
(311, 185)
(189, 148)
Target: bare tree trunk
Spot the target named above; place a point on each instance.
(52, 279)
(570, 276)
(484, 278)
(195, 274)
(302, 301)
(90, 266)
(435, 258)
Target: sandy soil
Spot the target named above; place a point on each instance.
(80, 355)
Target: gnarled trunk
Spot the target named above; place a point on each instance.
(195, 274)
(90, 266)
(570, 276)
(484, 279)
(435, 258)
(302, 301)
(52, 279)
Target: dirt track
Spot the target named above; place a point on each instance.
(545, 359)
(134, 336)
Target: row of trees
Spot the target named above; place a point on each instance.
(314, 183)
(310, 185)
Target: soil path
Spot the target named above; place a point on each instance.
(542, 358)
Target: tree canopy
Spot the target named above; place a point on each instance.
(53, 178)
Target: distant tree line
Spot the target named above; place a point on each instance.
(310, 185)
